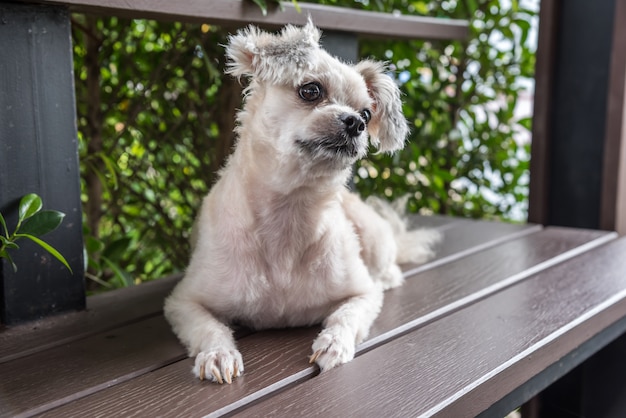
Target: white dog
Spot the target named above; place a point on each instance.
(279, 241)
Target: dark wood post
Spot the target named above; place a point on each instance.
(39, 154)
(342, 45)
(579, 102)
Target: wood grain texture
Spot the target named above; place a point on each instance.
(277, 359)
(273, 360)
(104, 312)
(437, 292)
(61, 374)
(464, 362)
(464, 238)
(241, 13)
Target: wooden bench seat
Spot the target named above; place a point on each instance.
(499, 305)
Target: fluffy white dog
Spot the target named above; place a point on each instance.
(279, 240)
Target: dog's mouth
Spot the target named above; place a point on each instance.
(340, 147)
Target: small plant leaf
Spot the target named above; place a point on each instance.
(4, 225)
(110, 165)
(48, 248)
(262, 5)
(5, 254)
(124, 278)
(29, 205)
(117, 249)
(42, 222)
(93, 245)
(7, 243)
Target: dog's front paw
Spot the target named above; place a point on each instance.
(332, 347)
(218, 365)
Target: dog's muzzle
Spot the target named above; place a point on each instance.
(343, 144)
(354, 124)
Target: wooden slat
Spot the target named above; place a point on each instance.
(465, 362)
(468, 237)
(275, 360)
(104, 312)
(241, 13)
(439, 222)
(441, 291)
(61, 374)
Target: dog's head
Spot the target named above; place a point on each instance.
(308, 104)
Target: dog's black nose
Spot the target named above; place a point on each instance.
(354, 124)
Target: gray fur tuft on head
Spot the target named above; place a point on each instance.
(275, 58)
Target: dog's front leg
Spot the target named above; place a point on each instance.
(345, 327)
(206, 338)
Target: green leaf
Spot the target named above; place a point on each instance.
(98, 280)
(29, 205)
(4, 225)
(123, 277)
(101, 177)
(526, 123)
(5, 254)
(262, 5)
(93, 245)
(48, 248)
(7, 243)
(42, 222)
(421, 7)
(111, 168)
(117, 248)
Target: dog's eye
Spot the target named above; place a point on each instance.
(310, 92)
(366, 115)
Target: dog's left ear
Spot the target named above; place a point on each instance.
(275, 58)
(388, 128)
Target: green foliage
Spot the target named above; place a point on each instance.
(151, 101)
(156, 116)
(32, 222)
(462, 157)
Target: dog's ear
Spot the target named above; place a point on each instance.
(276, 58)
(388, 128)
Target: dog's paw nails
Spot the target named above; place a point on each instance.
(220, 365)
(314, 356)
(332, 347)
(216, 374)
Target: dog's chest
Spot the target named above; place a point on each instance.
(298, 285)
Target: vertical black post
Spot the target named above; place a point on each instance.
(39, 154)
(579, 111)
(569, 147)
(342, 45)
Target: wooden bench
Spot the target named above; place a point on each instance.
(502, 311)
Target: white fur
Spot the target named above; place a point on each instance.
(279, 241)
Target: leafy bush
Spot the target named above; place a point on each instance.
(156, 118)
